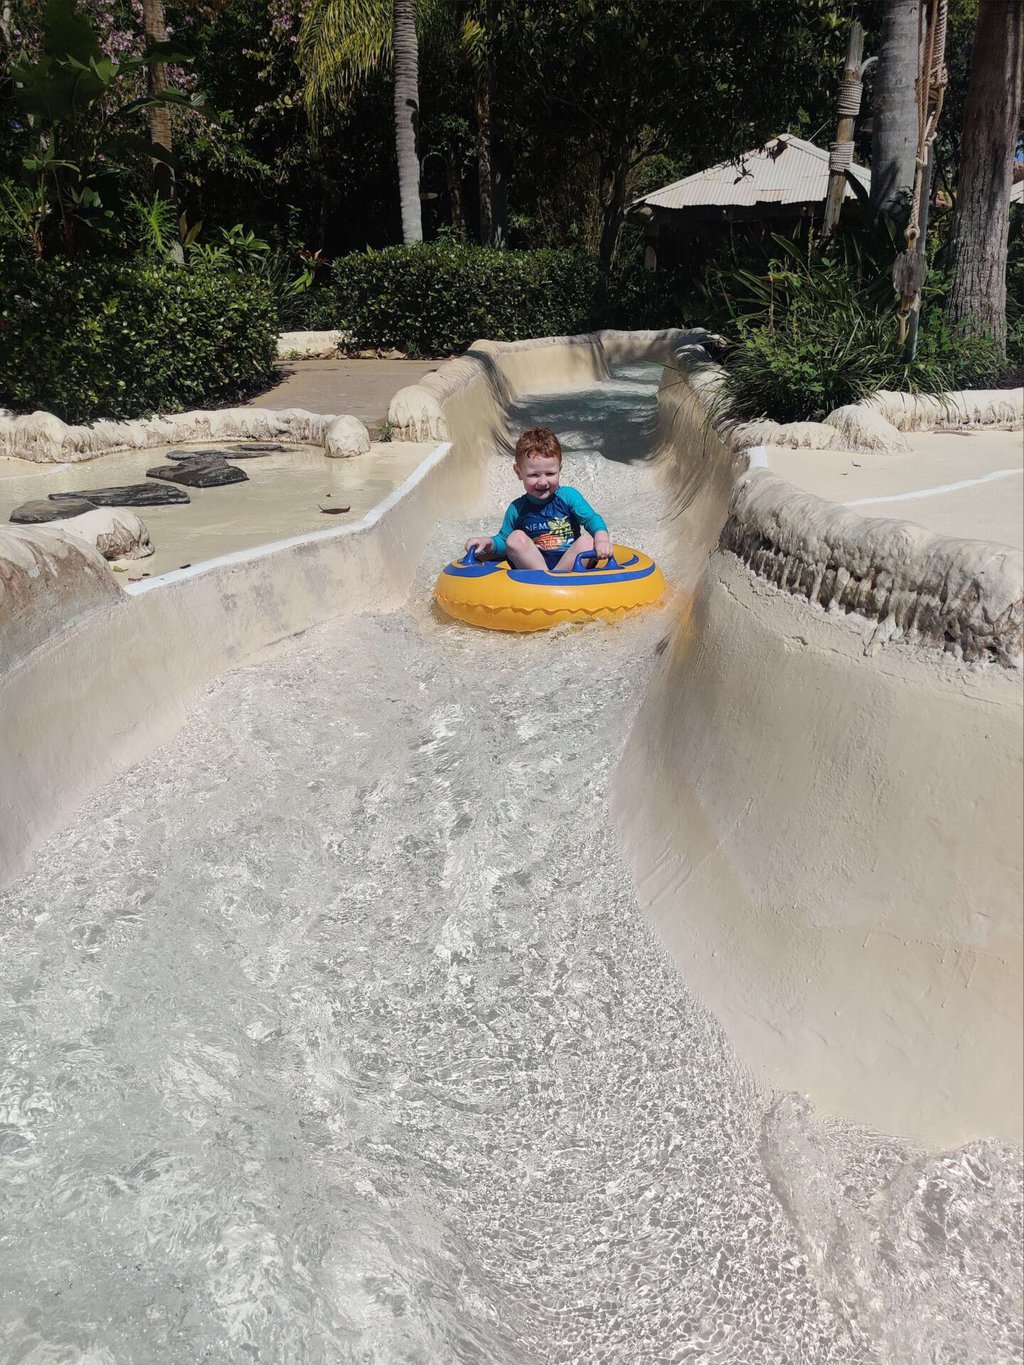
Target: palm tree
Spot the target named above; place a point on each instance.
(894, 121)
(407, 110)
(159, 115)
(341, 44)
(977, 299)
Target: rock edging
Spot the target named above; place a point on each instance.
(875, 423)
(962, 596)
(310, 345)
(43, 438)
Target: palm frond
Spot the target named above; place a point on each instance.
(341, 44)
(473, 41)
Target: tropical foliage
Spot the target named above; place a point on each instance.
(529, 126)
(76, 108)
(813, 331)
(89, 339)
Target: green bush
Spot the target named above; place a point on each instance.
(947, 357)
(814, 334)
(804, 368)
(801, 373)
(89, 339)
(318, 310)
(438, 298)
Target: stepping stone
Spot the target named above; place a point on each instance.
(201, 472)
(197, 454)
(246, 452)
(131, 495)
(51, 509)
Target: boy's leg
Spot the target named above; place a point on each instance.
(578, 547)
(523, 553)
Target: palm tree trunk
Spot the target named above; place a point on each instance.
(407, 106)
(155, 30)
(977, 299)
(499, 198)
(894, 112)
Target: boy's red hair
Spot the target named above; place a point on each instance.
(538, 441)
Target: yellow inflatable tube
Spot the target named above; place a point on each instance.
(496, 596)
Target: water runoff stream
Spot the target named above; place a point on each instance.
(334, 1033)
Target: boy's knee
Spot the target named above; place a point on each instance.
(517, 540)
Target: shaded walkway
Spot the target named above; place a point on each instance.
(362, 388)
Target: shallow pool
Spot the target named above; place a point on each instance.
(284, 495)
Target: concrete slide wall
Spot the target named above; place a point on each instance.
(828, 836)
(104, 675)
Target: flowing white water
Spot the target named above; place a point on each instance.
(334, 1033)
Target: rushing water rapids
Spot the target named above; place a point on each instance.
(335, 1033)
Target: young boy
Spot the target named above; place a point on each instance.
(549, 525)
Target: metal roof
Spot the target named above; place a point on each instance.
(785, 170)
(1017, 192)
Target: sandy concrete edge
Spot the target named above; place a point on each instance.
(956, 595)
(963, 596)
(829, 843)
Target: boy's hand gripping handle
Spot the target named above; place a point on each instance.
(578, 566)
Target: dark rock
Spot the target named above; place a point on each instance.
(131, 495)
(51, 509)
(202, 472)
(197, 454)
(249, 451)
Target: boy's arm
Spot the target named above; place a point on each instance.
(589, 519)
(507, 527)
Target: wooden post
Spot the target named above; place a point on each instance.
(840, 153)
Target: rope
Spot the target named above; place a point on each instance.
(850, 91)
(931, 90)
(840, 156)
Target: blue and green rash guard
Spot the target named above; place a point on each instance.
(552, 525)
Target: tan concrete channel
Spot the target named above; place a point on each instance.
(825, 825)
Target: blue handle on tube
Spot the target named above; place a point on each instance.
(579, 567)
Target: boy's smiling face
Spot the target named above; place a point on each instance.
(540, 475)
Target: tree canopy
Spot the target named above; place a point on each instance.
(534, 122)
